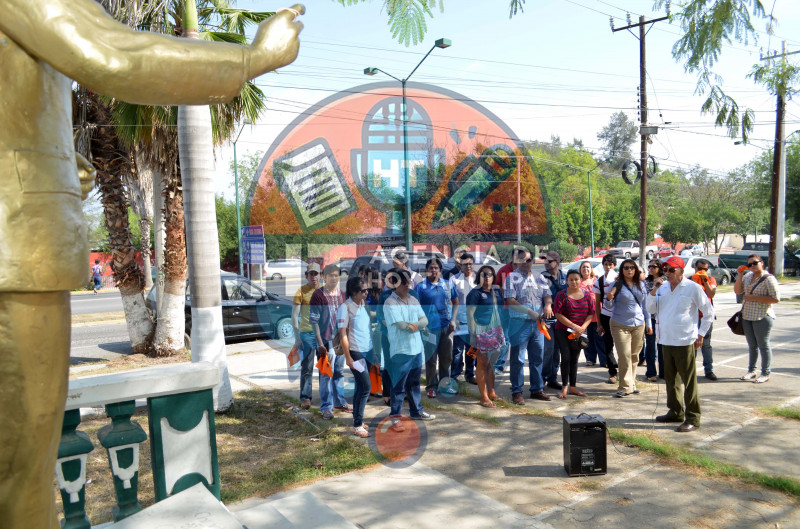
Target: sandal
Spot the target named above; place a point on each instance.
(488, 404)
(562, 396)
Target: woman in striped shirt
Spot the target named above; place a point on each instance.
(574, 309)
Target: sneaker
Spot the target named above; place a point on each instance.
(449, 390)
(424, 416)
(761, 379)
(636, 391)
(750, 375)
(306, 404)
(431, 393)
(652, 379)
(327, 414)
(360, 431)
(397, 426)
(620, 394)
(346, 407)
(498, 371)
(473, 380)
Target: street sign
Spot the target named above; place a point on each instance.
(253, 249)
(253, 231)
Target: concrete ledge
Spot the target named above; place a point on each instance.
(155, 381)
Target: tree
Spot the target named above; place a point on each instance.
(617, 138)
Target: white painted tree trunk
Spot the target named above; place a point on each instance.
(171, 322)
(158, 235)
(137, 319)
(195, 146)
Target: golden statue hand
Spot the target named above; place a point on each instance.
(275, 43)
(86, 174)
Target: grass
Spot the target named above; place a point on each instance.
(708, 465)
(97, 317)
(787, 413)
(262, 446)
(128, 362)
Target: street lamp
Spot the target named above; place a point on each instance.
(440, 43)
(236, 187)
(589, 183)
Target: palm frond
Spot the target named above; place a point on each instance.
(221, 36)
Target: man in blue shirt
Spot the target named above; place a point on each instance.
(558, 282)
(439, 300)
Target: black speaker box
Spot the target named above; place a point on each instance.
(584, 445)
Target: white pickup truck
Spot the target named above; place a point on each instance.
(630, 250)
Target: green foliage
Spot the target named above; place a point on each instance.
(567, 250)
(95, 224)
(228, 238)
(617, 138)
(516, 5)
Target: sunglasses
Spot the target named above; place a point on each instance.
(364, 290)
(753, 263)
(552, 260)
(671, 270)
(653, 266)
(701, 269)
(629, 268)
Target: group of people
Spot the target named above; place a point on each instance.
(476, 321)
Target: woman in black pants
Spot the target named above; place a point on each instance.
(574, 310)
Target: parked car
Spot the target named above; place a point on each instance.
(748, 248)
(345, 265)
(601, 253)
(720, 274)
(247, 311)
(630, 249)
(692, 250)
(285, 268)
(597, 265)
(732, 261)
(665, 251)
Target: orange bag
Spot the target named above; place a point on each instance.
(543, 329)
(375, 380)
(294, 356)
(324, 366)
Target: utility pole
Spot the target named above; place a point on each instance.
(777, 216)
(644, 130)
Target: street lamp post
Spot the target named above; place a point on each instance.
(591, 209)
(440, 43)
(236, 188)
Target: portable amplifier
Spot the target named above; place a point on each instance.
(584, 444)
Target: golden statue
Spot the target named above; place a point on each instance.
(44, 44)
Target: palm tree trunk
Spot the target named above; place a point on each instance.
(171, 321)
(202, 243)
(111, 162)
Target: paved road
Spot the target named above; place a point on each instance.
(92, 304)
(96, 342)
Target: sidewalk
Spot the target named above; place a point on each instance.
(478, 474)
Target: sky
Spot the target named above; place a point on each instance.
(555, 69)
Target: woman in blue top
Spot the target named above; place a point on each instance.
(355, 336)
(484, 304)
(629, 319)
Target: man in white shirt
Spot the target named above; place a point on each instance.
(603, 312)
(677, 304)
(463, 283)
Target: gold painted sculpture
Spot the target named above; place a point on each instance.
(43, 253)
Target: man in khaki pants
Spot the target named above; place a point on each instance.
(677, 304)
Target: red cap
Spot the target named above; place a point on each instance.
(675, 262)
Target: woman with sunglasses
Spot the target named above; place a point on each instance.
(355, 336)
(629, 321)
(655, 271)
(760, 290)
(574, 308)
(596, 348)
(484, 305)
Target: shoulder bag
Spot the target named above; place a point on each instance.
(492, 336)
(735, 322)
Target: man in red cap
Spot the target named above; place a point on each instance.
(677, 303)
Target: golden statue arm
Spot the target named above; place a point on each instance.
(79, 39)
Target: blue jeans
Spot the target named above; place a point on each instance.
(362, 390)
(708, 359)
(405, 373)
(525, 337)
(757, 334)
(552, 355)
(596, 352)
(307, 355)
(651, 351)
(460, 347)
(97, 283)
(330, 389)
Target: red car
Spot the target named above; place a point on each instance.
(601, 253)
(665, 251)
